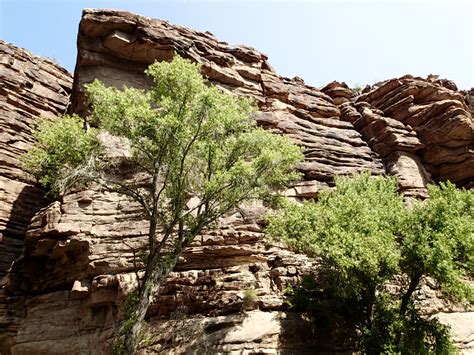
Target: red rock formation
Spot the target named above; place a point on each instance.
(29, 87)
(395, 143)
(441, 119)
(78, 260)
(117, 46)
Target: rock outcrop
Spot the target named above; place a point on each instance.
(227, 292)
(441, 118)
(29, 87)
(117, 52)
(394, 142)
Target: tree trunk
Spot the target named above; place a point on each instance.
(150, 283)
(370, 299)
(414, 281)
(155, 273)
(132, 336)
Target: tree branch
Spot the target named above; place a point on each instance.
(125, 190)
(135, 266)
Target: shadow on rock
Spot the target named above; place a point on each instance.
(29, 202)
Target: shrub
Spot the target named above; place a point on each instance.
(365, 236)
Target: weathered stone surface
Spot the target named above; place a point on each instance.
(469, 96)
(441, 118)
(79, 262)
(62, 294)
(286, 105)
(239, 333)
(395, 143)
(29, 87)
(461, 328)
(339, 92)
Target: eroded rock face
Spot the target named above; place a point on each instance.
(79, 263)
(29, 87)
(441, 118)
(116, 47)
(394, 142)
(78, 260)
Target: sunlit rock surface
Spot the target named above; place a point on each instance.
(62, 294)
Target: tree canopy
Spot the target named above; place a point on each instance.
(194, 151)
(366, 238)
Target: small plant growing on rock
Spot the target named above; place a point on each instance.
(250, 298)
(358, 88)
(365, 236)
(195, 153)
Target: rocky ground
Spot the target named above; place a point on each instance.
(66, 267)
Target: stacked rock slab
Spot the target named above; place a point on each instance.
(29, 87)
(116, 47)
(217, 270)
(441, 118)
(396, 143)
(227, 292)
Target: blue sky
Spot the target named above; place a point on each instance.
(354, 41)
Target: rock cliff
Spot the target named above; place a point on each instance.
(227, 292)
(29, 87)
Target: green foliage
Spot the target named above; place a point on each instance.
(409, 333)
(353, 230)
(250, 295)
(249, 299)
(127, 313)
(195, 149)
(438, 239)
(419, 335)
(199, 140)
(142, 256)
(365, 236)
(358, 88)
(63, 154)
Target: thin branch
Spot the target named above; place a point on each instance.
(164, 183)
(125, 190)
(135, 266)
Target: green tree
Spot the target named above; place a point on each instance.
(365, 236)
(438, 241)
(194, 155)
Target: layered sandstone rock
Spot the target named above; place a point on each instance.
(395, 143)
(441, 118)
(80, 260)
(29, 87)
(79, 263)
(117, 46)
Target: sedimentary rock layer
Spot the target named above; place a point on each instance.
(441, 118)
(79, 256)
(30, 86)
(117, 46)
